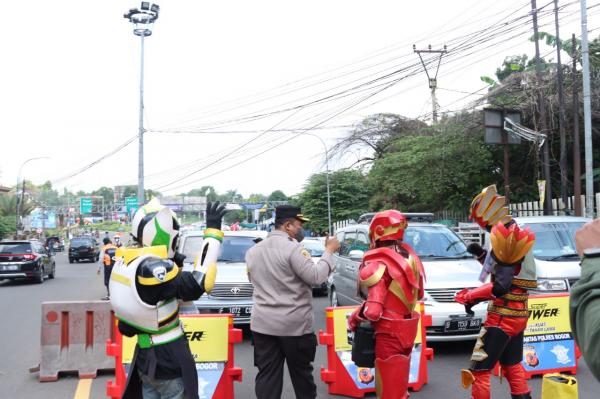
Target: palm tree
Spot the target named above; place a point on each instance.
(8, 205)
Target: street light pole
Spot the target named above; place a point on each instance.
(327, 180)
(18, 202)
(143, 20)
(141, 130)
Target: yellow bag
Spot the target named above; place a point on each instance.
(559, 386)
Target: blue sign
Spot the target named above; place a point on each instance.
(209, 375)
(252, 206)
(41, 219)
(548, 354)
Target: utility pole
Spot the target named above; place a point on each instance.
(561, 115)
(587, 114)
(576, 145)
(432, 80)
(542, 114)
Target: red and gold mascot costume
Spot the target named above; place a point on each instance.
(512, 272)
(391, 282)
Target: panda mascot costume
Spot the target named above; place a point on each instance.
(147, 284)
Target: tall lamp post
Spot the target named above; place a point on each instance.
(19, 201)
(327, 179)
(143, 19)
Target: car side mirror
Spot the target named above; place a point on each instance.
(356, 255)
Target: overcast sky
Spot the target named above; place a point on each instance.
(69, 81)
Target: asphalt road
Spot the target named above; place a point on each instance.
(20, 342)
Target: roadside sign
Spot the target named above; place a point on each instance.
(85, 205)
(131, 204)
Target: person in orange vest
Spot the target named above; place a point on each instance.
(108, 260)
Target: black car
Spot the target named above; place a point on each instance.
(26, 259)
(83, 248)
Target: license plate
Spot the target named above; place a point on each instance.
(9, 267)
(462, 324)
(236, 311)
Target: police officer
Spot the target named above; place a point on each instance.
(283, 274)
(585, 296)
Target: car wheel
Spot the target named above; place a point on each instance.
(39, 279)
(333, 298)
(71, 260)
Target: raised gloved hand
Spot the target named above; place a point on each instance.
(214, 215)
(355, 319)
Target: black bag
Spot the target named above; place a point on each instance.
(363, 345)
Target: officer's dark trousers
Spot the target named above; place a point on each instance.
(269, 354)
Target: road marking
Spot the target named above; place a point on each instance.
(84, 387)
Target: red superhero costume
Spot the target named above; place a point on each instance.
(512, 274)
(391, 281)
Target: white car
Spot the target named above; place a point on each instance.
(232, 292)
(556, 260)
(448, 267)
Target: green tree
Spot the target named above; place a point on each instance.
(205, 191)
(7, 226)
(256, 198)
(375, 133)
(8, 205)
(277, 195)
(349, 197)
(431, 173)
(105, 192)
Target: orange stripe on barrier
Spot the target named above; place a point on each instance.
(64, 330)
(89, 329)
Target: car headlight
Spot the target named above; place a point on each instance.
(551, 285)
(427, 299)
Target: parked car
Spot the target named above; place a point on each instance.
(26, 259)
(83, 247)
(448, 267)
(316, 249)
(232, 292)
(556, 259)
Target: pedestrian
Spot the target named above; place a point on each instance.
(391, 283)
(585, 296)
(282, 323)
(107, 254)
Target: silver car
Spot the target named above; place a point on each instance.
(556, 260)
(232, 292)
(315, 248)
(448, 267)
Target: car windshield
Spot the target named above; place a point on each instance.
(78, 242)
(435, 242)
(15, 248)
(554, 240)
(233, 248)
(192, 247)
(315, 248)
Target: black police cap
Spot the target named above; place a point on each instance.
(284, 212)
